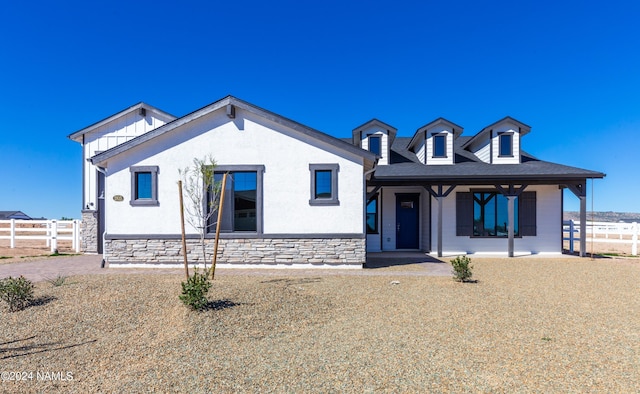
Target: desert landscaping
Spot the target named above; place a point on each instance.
(527, 325)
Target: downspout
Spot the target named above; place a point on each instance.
(84, 197)
(103, 171)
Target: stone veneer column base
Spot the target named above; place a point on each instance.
(89, 231)
(240, 253)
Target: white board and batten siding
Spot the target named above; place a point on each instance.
(246, 140)
(111, 134)
(548, 230)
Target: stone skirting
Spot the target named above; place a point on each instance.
(262, 251)
(89, 232)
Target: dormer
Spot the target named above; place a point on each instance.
(499, 143)
(433, 142)
(377, 137)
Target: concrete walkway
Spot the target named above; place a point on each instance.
(383, 264)
(51, 267)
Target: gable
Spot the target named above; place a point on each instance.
(233, 110)
(378, 133)
(434, 143)
(132, 121)
(18, 215)
(486, 144)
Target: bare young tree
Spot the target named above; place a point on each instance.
(202, 193)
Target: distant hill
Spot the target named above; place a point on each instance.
(609, 216)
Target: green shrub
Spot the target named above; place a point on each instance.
(194, 291)
(462, 269)
(17, 292)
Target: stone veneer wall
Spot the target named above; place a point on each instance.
(336, 251)
(89, 232)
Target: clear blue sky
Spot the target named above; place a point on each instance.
(569, 69)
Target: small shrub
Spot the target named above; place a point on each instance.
(57, 281)
(462, 269)
(17, 292)
(195, 289)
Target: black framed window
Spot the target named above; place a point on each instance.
(324, 184)
(372, 216)
(473, 220)
(144, 186)
(439, 145)
(491, 215)
(505, 143)
(375, 144)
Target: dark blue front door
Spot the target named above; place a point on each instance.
(407, 221)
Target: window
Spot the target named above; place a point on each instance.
(485, 214)
(491, 216)
(375, 145)
(324, 184)
(242, 209)
(506, 144)
(439, 145)
(372, 216)
(144, 186)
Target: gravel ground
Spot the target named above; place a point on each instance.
(527, 325)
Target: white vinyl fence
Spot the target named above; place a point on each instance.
(625, 233)
(51, 231)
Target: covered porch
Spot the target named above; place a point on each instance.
(499, 217)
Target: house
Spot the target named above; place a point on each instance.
(17, 215)
(298, 197)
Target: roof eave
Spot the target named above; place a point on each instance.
(230, 100)
(77, 136)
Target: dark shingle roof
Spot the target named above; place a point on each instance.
(405, 166)
(5, 215)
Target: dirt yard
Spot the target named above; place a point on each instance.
(27, 250)
(527, 325)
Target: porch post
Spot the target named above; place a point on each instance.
(511, 224)
(440, 200)
(440, 195)
(583, 226)
(580, 191)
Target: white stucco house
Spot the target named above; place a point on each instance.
(298, 197)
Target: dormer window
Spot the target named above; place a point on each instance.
(506, 144)
(440, 145)
(376, 137)
(375, 145)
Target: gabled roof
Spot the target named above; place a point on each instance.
(4, 215)
(77, 136)
(373, 122)
(469, 169)
(229, 103)
(419, 135)
(524, 129)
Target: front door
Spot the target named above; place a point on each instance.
(407, 221)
